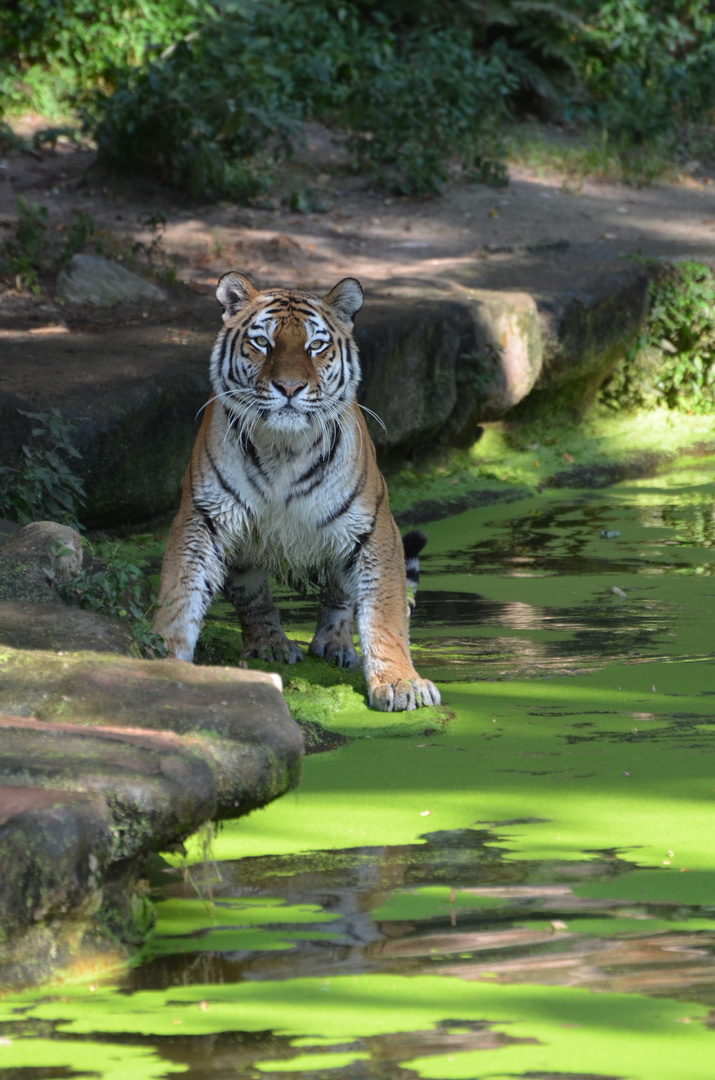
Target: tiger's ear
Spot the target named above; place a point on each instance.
(346, 298)
(233, 292)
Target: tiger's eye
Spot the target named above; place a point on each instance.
(261, 341)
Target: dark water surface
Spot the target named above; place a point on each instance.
(528, 892)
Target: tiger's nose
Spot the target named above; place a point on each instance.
(288, 388)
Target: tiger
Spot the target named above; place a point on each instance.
(283, 480)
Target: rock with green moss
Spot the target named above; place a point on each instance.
(106, 759)
(35, 558)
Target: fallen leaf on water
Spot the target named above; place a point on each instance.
(568, 457)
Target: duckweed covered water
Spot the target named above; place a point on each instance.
(525, 889)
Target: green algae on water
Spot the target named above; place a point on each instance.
(539, 1028)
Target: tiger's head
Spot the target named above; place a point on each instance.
(285, 361)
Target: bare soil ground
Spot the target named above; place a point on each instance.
(350, 228)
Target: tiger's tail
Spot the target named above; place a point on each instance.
(412, 544)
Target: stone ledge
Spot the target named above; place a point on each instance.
(438, 358)
(106, 759)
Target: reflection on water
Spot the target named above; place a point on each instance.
(592, 536)
(451, 905)
(568, 639)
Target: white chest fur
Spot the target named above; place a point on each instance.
(289, 492)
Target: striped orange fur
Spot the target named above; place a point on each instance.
(283, 478)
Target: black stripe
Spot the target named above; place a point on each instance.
(255, 461)
(232, 361)
(225, 484)
(348, 501)
(224, 346)
(337, 439)
(412, 543)
(365, 536)
(209, 524)
(317, 464)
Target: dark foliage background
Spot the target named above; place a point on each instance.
(206, 94)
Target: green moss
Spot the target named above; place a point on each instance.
(529, 454)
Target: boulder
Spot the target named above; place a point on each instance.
(90, 279)
(585, 330)
(235, 719)
(35, 558)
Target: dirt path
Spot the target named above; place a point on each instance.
(361, 232)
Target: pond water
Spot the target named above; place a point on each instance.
(524, 890)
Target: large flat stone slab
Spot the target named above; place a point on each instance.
(236, 720)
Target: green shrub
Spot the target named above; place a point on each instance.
(25, 248)
(43, 487)
(117, 588)
(52, 51)
(428, 99)
(205, 93)
(673, 362)
(650, 66)
(208, 114)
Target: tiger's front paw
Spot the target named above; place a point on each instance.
(340, 653)
(404, 695)
(276, 650)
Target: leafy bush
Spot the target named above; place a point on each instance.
(206, 92)
(51, 51)
(44, 487)
(24, 249)
(426, 100)
(650, 65)
(673, 362)
(119, 589)
(207, 114)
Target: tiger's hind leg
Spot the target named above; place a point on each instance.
(333, 639)
(263, 636)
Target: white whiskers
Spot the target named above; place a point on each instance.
(373, 415)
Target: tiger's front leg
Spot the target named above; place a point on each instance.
(381, 593)
(333, 639)
(191, 573)
(263, 636)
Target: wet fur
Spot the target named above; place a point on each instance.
(283, 479)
